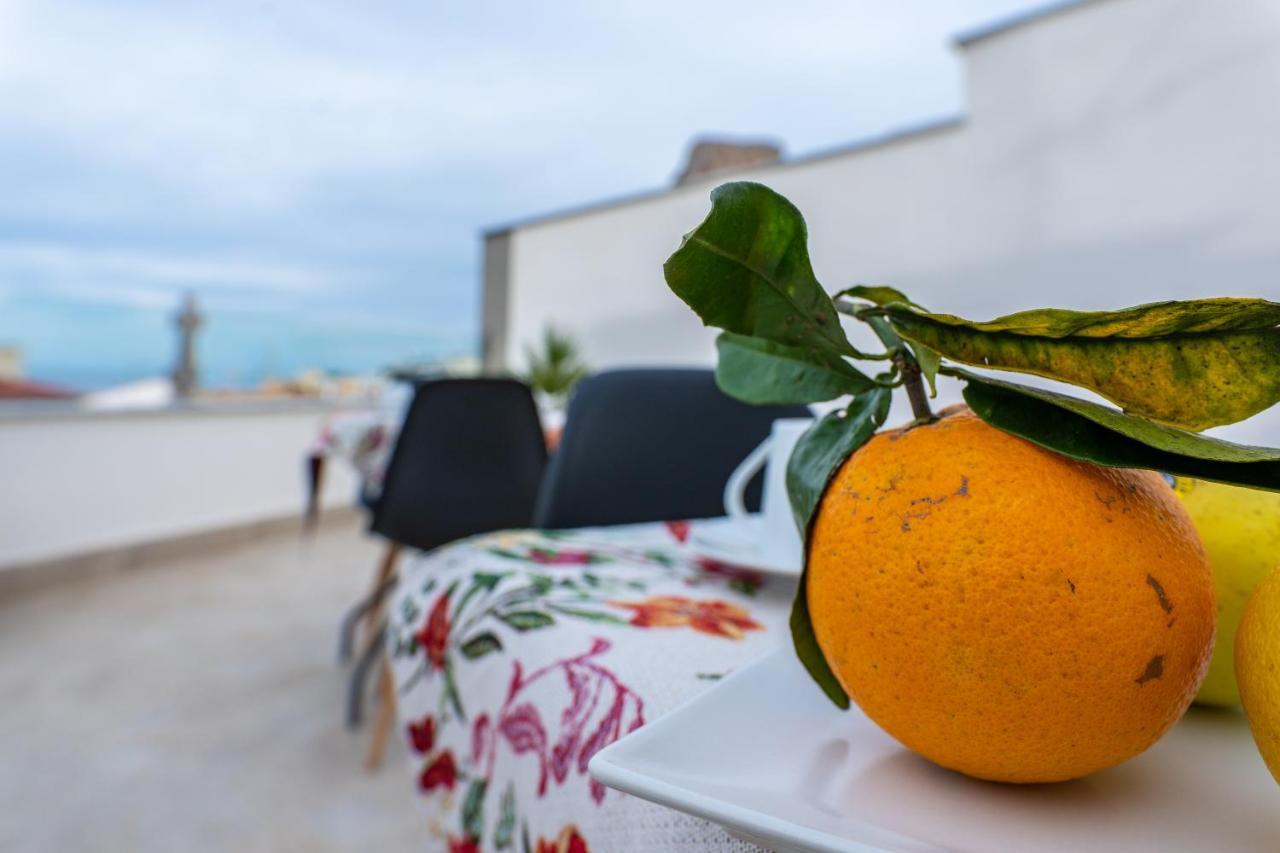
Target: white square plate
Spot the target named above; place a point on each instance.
(767, 756)
(739, 542)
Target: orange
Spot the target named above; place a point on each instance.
(1005, 611)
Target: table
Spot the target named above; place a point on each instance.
(364, 440)
(518, 655)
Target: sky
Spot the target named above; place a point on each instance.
(319, 172)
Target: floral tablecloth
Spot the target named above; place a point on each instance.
(517, 656)
(365, 440)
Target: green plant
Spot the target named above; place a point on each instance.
(1173, 368)
(557, 366)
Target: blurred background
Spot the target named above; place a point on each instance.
(225, 229)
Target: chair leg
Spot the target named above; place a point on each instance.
(370, 606)
(355, 687)
(386, 718)
(347, 633)
(386, 574)
(315, 485)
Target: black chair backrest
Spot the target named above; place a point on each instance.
(468, 460)
(650, 445)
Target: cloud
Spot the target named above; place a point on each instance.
(246, 103)
(326, 156)
(59, 261)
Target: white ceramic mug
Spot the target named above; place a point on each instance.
(779, 539)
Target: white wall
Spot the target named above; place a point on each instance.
(79, 483)
(1117, 153)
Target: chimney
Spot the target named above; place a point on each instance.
(708, 157)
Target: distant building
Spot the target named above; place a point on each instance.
(14, 387)
(22, 389)
(152, 393)
(1112, 152)
(10, 362)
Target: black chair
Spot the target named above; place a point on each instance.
(468, 460)
(650, 445)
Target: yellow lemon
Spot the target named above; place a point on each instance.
(1240, 529)
(1258, 668)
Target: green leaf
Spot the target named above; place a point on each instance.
(876, 293)
(481, 645)
(451, 690)
(473, 810)
(1084, 430)
(746, 269)
(826, 445)
(763, 372)
(504, 832)
(479, 581)
(818, 454)
(526, 620)
(557, 366)
(489, 580)
(409, 611)
(929, 361)
(593, 615)
(662, 559)
(810, 653)
(1191, 364)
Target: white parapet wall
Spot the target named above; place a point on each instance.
(75, 482)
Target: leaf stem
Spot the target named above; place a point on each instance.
(844, 306)
(902, 358)
(915, 390)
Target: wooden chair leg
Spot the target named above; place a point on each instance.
(385, 720)
(386, 571)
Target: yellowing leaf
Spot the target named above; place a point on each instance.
(877, 293)
(1191, 364)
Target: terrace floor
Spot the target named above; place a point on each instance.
(195, 705)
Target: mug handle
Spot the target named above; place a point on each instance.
(736, 487)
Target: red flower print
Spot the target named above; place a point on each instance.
(434, 636)
(719, 618)
(372, 440)
(479, 737)
(597, 710)
(569, 840)
(546, 557)
(733, 573)
(440, 773)
(422, 734)
(679, 530)
(522, 728)
(463, 845)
